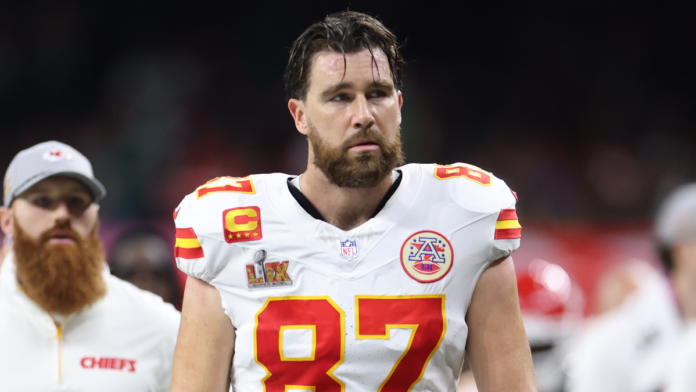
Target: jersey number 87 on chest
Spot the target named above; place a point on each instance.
(322, 323)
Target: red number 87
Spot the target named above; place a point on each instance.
(375, 316)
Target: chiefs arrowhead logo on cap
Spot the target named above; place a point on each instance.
(56, 155)
(242, 224)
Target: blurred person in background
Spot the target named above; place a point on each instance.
(65, 322)
(632, 348)
(358, 275)
(142, 257)
(679, 251)
(621, 281)
(552, 311)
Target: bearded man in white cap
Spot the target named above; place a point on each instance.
(65, 322)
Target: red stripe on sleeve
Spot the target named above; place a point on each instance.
(508, 214)
(188, 253)
(185, 233)
(505, 234)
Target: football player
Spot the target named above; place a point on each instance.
(358, 275)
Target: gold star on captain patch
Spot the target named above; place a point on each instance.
(246, 234)
(255, 234)
(231, 236)
(239, 235)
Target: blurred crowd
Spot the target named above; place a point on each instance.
(583, 108)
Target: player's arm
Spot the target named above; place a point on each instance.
(497, 345)
(205, 344)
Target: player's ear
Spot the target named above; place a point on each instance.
(401, 103)
(6, 221)
(297, 110)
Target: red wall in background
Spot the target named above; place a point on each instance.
(586, 250)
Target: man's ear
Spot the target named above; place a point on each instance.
(401, 103)
(6, 221)
(297, 110)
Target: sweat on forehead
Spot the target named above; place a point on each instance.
(339, 67)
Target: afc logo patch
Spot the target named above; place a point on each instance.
(427, 256)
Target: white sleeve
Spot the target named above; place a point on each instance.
(508, 232)
(483, 194)
(200, 249)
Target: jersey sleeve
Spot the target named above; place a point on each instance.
(508, 231)
(200, 250)
(485, 199)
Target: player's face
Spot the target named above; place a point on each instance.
(55, 199)
(351, 114)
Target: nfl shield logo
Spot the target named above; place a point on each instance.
(349, 249)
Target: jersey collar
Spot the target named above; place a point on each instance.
(314, 213)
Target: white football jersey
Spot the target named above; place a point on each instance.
(681, 376)
(378, 307)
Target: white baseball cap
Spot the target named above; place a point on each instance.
(45, 160)
(676, 218)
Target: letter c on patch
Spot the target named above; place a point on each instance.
(243, 219)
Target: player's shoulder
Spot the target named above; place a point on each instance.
(467, 185)
(226, 190)
(203, 209)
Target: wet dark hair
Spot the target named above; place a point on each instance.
(343, 32)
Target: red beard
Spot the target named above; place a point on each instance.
(61, 278)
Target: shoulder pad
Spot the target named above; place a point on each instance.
(208, 219)
(479, 191)
(242, 185)
(474, 188)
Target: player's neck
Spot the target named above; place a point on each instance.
(345, 208)
(686, 295)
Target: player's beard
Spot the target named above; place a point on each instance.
(60, 278)
(362, 170)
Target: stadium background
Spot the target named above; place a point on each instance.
(585, 108)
